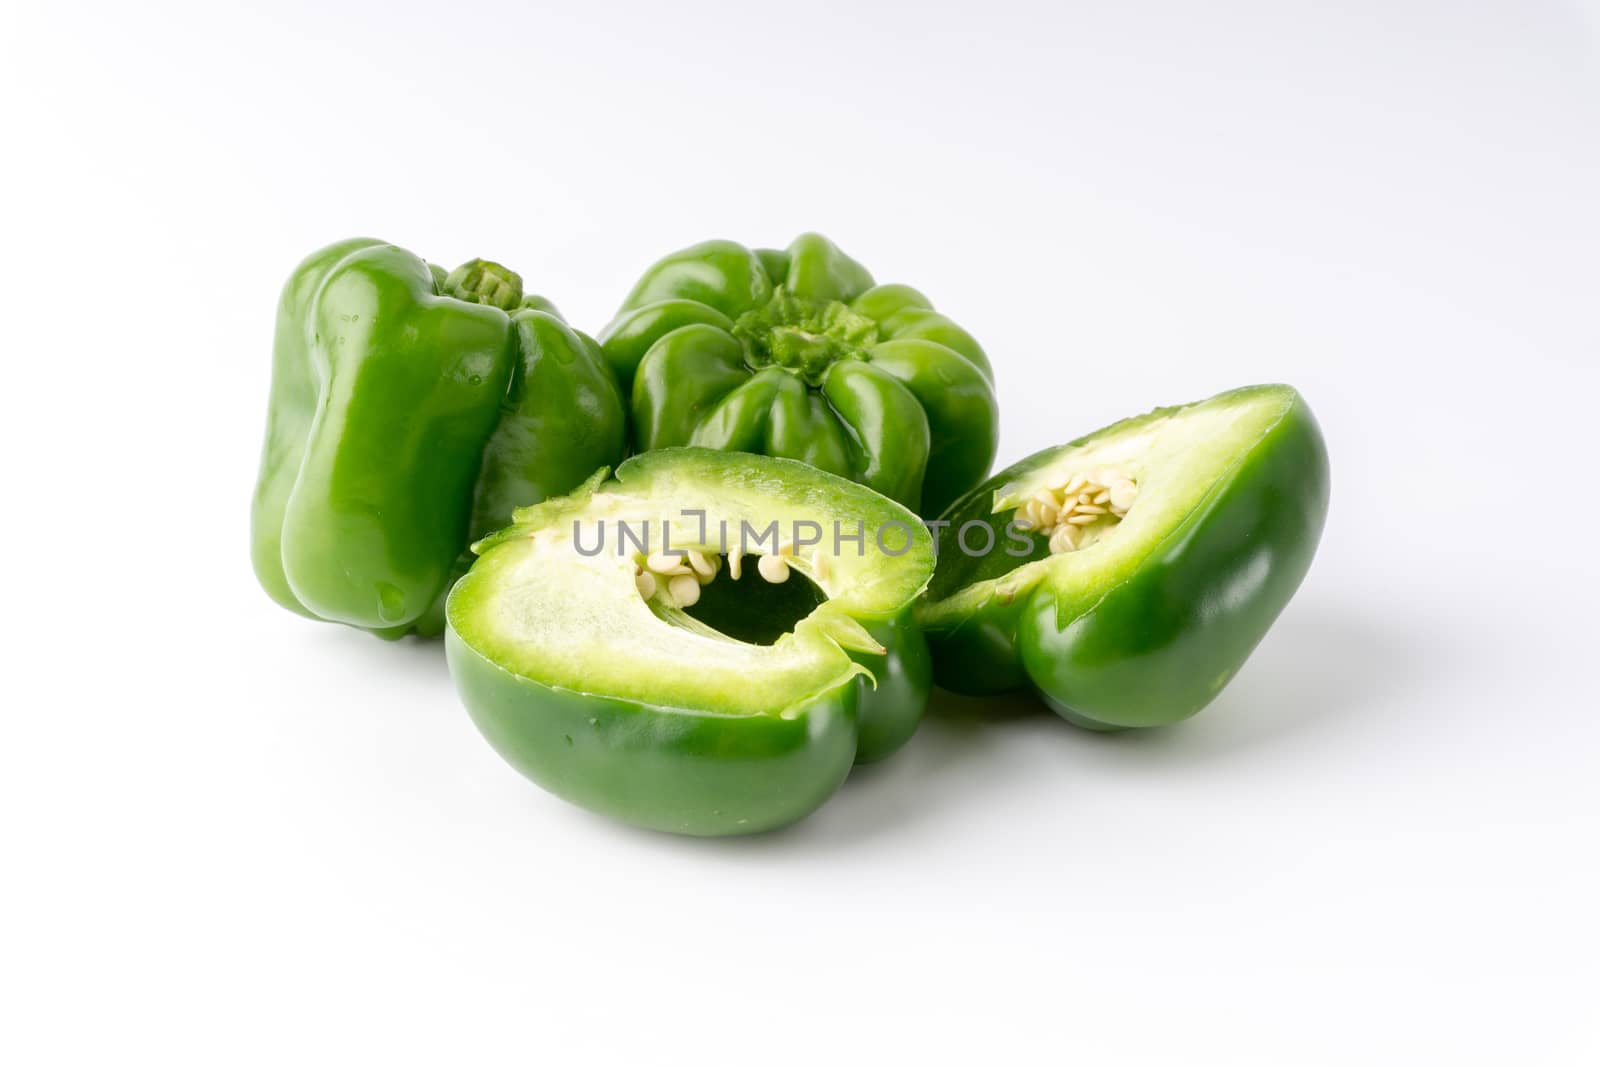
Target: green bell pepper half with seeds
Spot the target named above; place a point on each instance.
(411, 410)
(738, 707)
(1149, 619)
(798, 354)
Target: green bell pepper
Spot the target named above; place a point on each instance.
(411, 410)
(1135, 569)
(703, 643)
(798, 354)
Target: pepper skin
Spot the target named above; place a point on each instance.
(411, 410)
(740, 712)
(1147, 626)
(797, 353)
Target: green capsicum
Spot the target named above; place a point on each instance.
(702, 643)
(1131, 572)
(797, 353)
(411, 410)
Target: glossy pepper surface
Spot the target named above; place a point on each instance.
(798, 354)
(734, 704)
(1142, 619)
(411, 410)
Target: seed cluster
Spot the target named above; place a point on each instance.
(1081, 510)
(674, 579)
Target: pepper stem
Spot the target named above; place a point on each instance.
(805, 337)
(481, 282)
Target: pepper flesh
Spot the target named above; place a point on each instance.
(410, 411)
(1145, 626)
(798, 354)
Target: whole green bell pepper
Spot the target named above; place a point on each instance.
(1131, 572)
(797, 353)
(411, 410)
(703, 643)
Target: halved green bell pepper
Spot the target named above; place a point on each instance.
(733, 705)
(411, 410)
(1133, 570)
(798, 354)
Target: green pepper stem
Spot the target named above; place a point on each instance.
(480, 281)
(805, 337)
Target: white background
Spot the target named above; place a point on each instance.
(234, 836)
